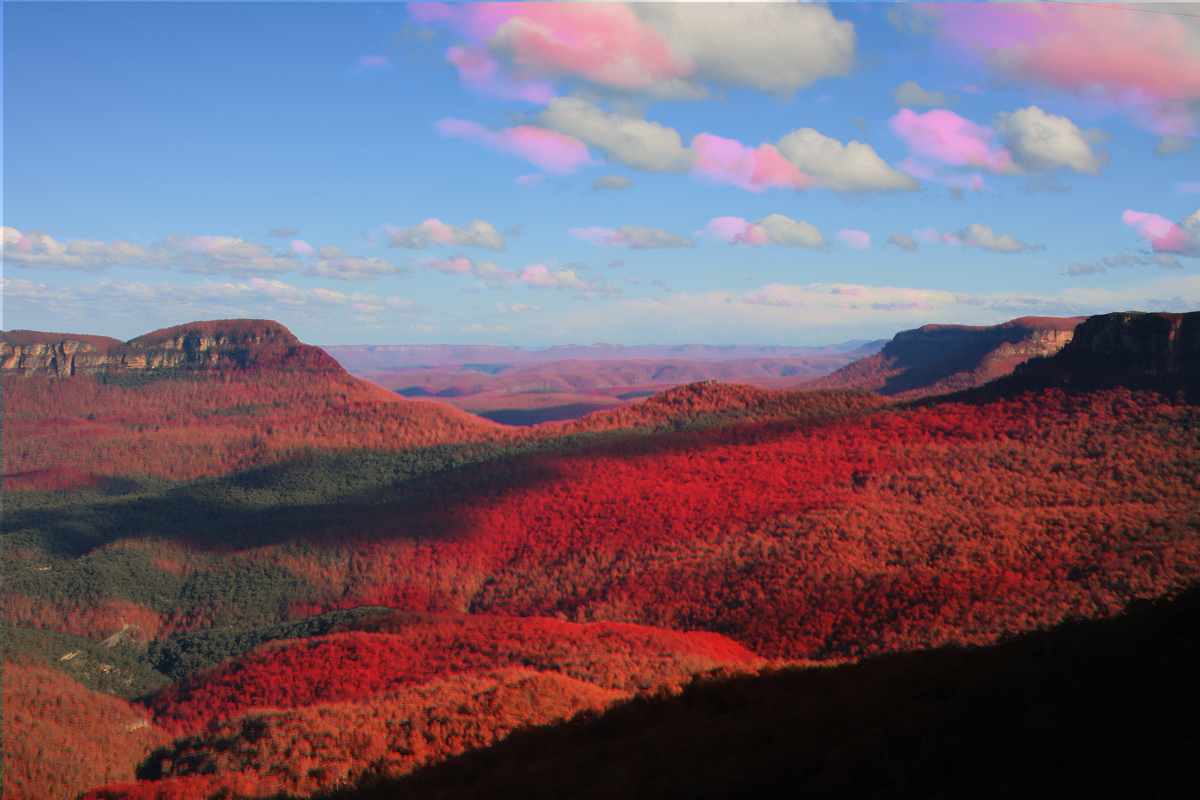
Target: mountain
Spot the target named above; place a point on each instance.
(938, 359)
(205, 398)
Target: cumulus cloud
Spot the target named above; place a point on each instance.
(721, 160)
(37, 250)
(1147, 63)
(950, 139)
(655, 50)
(538, 276)
(1166, 236)
(301, 247)
(775, 48)
(1039, 141)
(614, 182)
(985, 237)
(859, 240)
(906, 243)
(773, 229)
(465, 266)
(853, 168)
(517, 308)
(635, 237)
(910, 95)
(546, 149)
(627, 140)
(975, 235)
(333, 263)
(477, 233)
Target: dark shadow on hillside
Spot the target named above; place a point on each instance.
(1087, 709)
(374, 494)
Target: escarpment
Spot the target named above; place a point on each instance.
(937, 359)
(236, 344)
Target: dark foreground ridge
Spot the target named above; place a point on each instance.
(1101, 708)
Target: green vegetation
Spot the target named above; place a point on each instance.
(117, 667)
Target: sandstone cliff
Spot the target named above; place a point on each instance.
(1128, 348)
(234, 344)
(937, 359)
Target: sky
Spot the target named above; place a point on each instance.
(550, 173)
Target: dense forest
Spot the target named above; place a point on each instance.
(290, 580)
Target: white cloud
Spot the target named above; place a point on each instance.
(614, 182)
(1039, 142)
(774, 47)
(477, 233)
(636, 237)
(333, 263)
(985, 237)
(788, 232)
(853, 168)
(906, 243)
(627, 140)
(37, 250)
(910, 94)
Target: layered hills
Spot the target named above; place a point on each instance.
(298, 580)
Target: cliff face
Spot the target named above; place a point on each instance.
(60, 354)
(237, 344)
(936, 359)
(1154, 350)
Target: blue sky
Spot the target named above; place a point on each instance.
(542, 174)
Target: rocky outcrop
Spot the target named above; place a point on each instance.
(1128, 348)
(60, 354)
(937, 359)
(236, 344)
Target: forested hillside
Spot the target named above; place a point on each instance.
(367, 575)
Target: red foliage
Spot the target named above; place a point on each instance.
(354, 666)
(61, 738)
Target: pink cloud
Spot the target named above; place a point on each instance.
(947, 137)
(736, 230)
(549, 150)
(859, 240)
(754, 169)
(373, 62)
(1163, 235)
(302, 247)
(479, 71)
(604, 43)
(1136, 60)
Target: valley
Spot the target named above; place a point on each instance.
(267, 575)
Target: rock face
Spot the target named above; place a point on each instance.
(937, 359)
(235, 344)
(60, 354)
(1129, 348)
